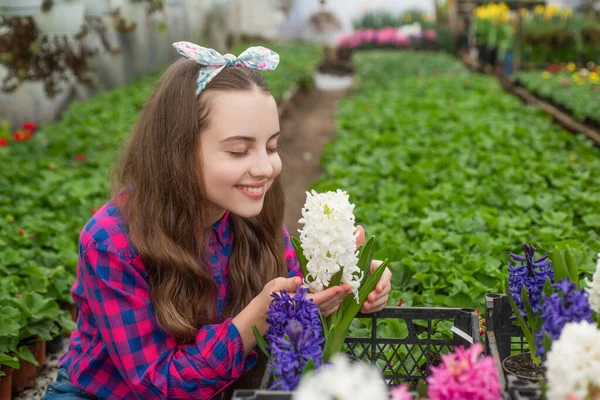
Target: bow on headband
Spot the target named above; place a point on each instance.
(259, 58)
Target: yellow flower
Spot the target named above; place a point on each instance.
(594, 77)
(571, 67)
(546, 75)
(407, 17)
(539, 9)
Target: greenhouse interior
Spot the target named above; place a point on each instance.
(344, 199)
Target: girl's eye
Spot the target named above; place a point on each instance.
(237, 154)
(273, 150)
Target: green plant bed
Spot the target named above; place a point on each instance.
(52, 184)
(451, 173)
(580, 96)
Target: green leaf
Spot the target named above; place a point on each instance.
(23, 353)
(572, 267)
(547, 343)
(300, 255)
(527, 333)
(422, 389)
(9, 361)
(262, 343)
(548, 287)
(560, 267)
(534, 322)
(308, 367)
(366, 257)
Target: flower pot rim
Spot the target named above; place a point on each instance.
(522, 377)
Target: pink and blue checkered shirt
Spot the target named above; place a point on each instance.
(118, 351)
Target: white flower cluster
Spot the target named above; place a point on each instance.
(573, 363)
(594, 289)
(343, 380)
(328, 240)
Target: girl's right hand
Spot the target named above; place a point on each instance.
(328, 300)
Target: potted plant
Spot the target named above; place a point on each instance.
(20, 8)
(61, 17)
(544, 295)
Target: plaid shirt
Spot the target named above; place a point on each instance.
(118, 351)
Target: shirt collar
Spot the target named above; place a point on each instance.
(221, 229)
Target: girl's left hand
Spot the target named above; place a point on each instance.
(378, 298)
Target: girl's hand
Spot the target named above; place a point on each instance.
(330, 300)
(276, 285)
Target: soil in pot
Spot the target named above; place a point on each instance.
(336, 68)
(521, 365)
(5, 383)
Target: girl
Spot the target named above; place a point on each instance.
(178, 267)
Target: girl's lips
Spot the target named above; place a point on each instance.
(254, 192)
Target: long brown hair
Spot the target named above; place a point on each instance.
(165, 205)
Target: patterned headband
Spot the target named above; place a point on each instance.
(258, 58)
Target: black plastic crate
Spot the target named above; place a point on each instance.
(504, 338)
(406, 359)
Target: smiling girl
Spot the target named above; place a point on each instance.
(178, 267)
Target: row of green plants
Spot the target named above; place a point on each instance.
(451, 173)
(575, 89)
(54, 181)
(379, 19)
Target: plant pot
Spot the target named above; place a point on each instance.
(55, 345)
(20, 8)
(521, 366)
(64, 18)
(40, 354)
(25, 375)
(5, 383)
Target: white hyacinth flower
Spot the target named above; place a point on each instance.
(344, 381)
(573, 363)
(594, 289)
(328, 240)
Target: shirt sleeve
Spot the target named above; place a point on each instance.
(290, 256)
(149, 360)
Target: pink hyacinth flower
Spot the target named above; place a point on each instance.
(400, 393)
(343, 41)
(464, 375)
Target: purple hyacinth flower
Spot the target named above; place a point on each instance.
(294, 337)
(531, 273)
(557, 311)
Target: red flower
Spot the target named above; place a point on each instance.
(399, 303)
(483, 323)
(29, 126)
(80, 157)
(93, 210)
(554, 68)
(18, 296)
(19, 136)
(3, 142)
(478, 312)
(481, 331)
(21, 232)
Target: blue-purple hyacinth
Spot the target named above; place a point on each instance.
(294, 336)
(557, 311)
(530, 273)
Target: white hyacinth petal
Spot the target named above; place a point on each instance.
(328, 240)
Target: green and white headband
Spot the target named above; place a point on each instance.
(258, 58)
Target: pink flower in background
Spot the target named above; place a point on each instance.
(366, 35)
(354, 42)
(400, 393)
(402, 39)
(464, 375)
(430, 34)
(343, 41)
(385, 36)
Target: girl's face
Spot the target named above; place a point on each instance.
(239, 152)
